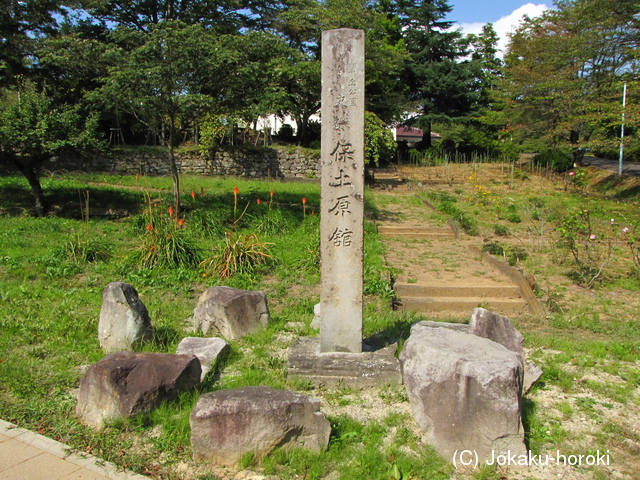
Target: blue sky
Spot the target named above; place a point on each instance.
(472, 11)
(471, 15)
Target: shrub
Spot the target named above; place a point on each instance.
(554, 159)
(501, 230)
(512, 254)
(240, 254)
(379, 145)
(85, 250)
(165, 243)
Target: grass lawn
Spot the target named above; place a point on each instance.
(53, 271)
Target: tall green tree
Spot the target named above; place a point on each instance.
(33, 129)
(565, 69)
(442, 86)
(156, 76)
(22, 23)
(302, 25)
(223, 16)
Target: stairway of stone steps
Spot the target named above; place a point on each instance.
(436, 299)
(439, 274)
(409, 232)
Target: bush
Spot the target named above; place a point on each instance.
(165, 245)
(555, 159)
(379, 145)
(239, 254)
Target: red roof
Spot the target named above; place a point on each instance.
(413, 133)
(409, 132)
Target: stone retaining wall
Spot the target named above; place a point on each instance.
(263, 162)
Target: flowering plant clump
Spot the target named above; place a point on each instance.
(483, 195)
(590, 245)
(165, 242)
(579, 178)
(631, 239)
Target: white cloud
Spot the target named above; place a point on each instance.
(506, 24)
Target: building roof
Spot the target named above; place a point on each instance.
(411, 133)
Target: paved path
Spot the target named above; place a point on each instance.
(628, 168)
(25, 455)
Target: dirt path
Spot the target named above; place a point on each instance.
(443, 261)
(436, 273)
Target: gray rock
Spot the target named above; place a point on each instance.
(230, 313)
(458, 327)
(532, 374)
(495, 327)
(227, 424)
(124, 384)
(487, 324)
(464, 391)
(124, 320)
(317, 317)
(207, 350)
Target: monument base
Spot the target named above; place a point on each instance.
(375, 366)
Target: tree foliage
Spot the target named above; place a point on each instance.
(565, 69)
(442, 86)
(33, 129)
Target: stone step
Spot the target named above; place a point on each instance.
(415, 232)
(412, 290)
(451, 304)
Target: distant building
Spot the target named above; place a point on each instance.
(412, 135)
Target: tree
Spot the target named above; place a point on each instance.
(223, 16)
(302, 25)
(157, 76)
(21, 24)
(441, 85)
(33, 129)
(564, 72)
(379, 145)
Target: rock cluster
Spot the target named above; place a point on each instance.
(465, 383)
(226, 424)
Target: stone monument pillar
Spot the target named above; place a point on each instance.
(342, 193)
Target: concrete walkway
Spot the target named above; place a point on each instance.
(628, 168)
(25, 455)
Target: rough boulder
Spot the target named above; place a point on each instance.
(464, 391)
(124, 384)
(230, 313)
(227, 424)
(124, 320)
(208, 350)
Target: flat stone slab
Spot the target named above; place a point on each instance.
(357, 370)
(227, 424)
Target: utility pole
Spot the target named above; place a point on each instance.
(624, 104)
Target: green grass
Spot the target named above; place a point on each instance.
(50, 297)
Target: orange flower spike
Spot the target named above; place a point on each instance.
(149, 227)
(171, 211)
(271, 193)
(235, 190)
(193, 194)
(304, 200)
(258, 201)
(181, 222)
